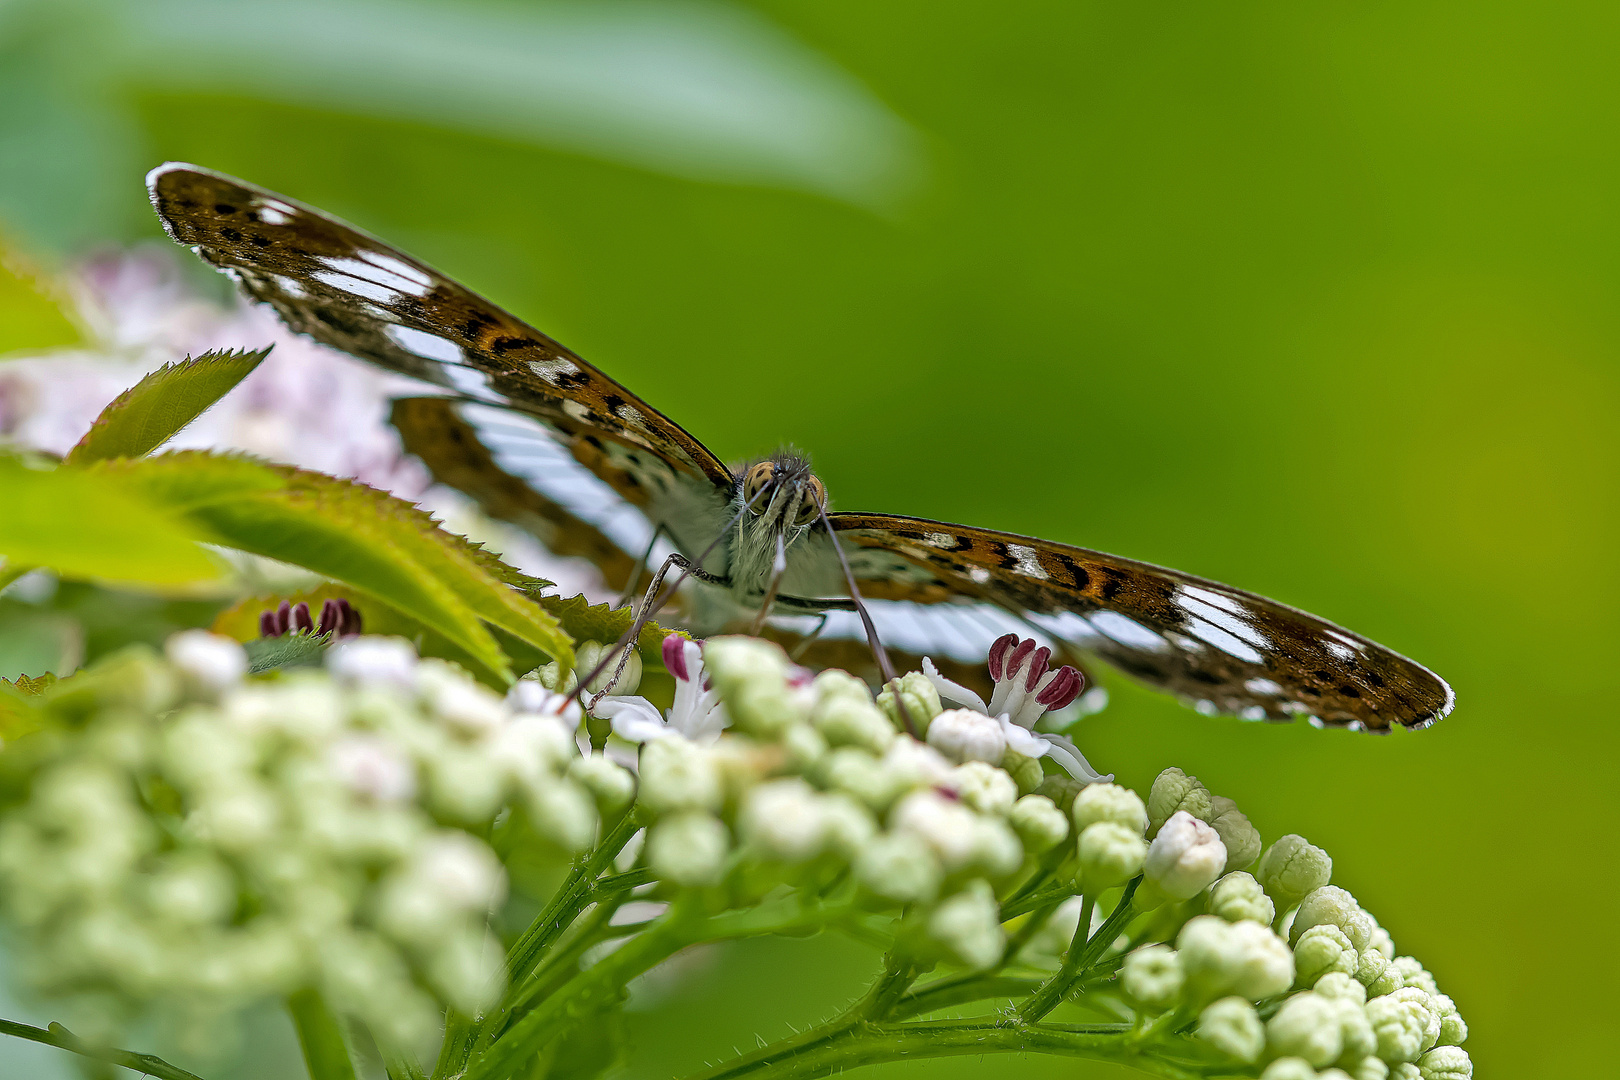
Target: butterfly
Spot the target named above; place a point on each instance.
(540, 438)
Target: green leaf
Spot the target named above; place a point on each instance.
(381, 546)
(85, 526)
(151, 412)
(288, 650)
(30, 317)
(585, 621)
(320, 1033)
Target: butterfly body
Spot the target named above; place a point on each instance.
(541, 438)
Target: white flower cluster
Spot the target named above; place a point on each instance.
(1324, 991)
(814, 778)
(206, 841)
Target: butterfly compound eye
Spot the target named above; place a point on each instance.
(815, 497)
(754, 482)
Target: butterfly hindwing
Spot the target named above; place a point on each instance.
(1220, 648)
(346, 289)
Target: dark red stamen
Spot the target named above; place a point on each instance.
(300, 618)
(283, 618)
(1037, 667)
(998, 654)
(1063, 689)
(675, 657)
(1016, 659)
(351, 619)
(267, 624)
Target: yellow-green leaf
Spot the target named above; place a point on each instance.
(85, 526)
(30, 317)
(151, 412)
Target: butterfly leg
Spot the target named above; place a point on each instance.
(640, 568)
(809, 639)
(650, 603)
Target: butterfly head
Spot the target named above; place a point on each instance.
(782, 494)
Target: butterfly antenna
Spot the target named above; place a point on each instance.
(879, 653)
(648, 610)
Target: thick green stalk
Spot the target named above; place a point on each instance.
(321, 1035)
(60, 1037)
(1081, 956)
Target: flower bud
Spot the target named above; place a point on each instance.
(919, 697)
(1405, 1070)
(805, 747)
(1381, 940)
(1241, 839)
(1341, 987)
(1412, 973)
(677, 774)
(1243, 958)
(1039, 823)
(1322, 949)
(209, 663)
(1237, 896)
(847, 824)
(563, 811)
(984, 787)
(1289, 1068)
(1376, 974)
(1333, 906)
(1110, 802)
(965, 735)
(899, 866)
(468, 708)
(373, 661)
(785, 819)
(1293, 867)
(1401, 1024)
(1453, 1031)
(1446, 1063)
(1110, 854)
(968, 925)
(589, 654)
(1025, 771)
(751, 676)
(1307, 1026)
(859, 774)
(1172, 792)
(845, 714)
(1185, 857)
(613, 786)
(1232, 1026)
(688, 847)
(944, 824)
(1152, 975)
(1063, 790)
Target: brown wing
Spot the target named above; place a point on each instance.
(349, 290)
(1219, 648)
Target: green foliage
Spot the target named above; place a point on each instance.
(286, 650)
(585, 621)
(153, 411)
(30, 317)
(386, 549)
(88, 526)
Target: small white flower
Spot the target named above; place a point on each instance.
(373, 661)
(968, 925)
(211, 662)
(1321, 950)
(1039, 823)
(1172, 791)
(1333, 906)
(965, 735)
(901, 867)
(1242, 958)
(1446, 1063)
(985, 788)
(1110, 854)
(1293, 867)
(1232, 1026)
(696, 713)
(786, 820)
(461, 870)
(1237, 896)
(1153, 976)
(1110, 802)
(529, 697)
(1024, 690)
(373, 767)
(613, 785)
(1185, 858)
(1238, 836)
(679, 775)
(688, 848)
(1307, 1026)
(466, 706)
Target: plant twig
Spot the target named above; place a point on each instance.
(1082, 955)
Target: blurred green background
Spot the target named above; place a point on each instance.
(1317, 301)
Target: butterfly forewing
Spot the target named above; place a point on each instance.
(351, 291)
(1222, 649)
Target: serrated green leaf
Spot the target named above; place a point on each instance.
(288, 650)
(85, 526)
(585, 621)
(383, 547)
(30, 317)
(151, 412)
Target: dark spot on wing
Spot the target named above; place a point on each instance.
(260, 241)
(230, 234)
(224, 208)
(1349, 691)
(1111, 585)
(613, 402)
(502, 345)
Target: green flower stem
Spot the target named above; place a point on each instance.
(58, 1036)
(1034, 901)
(463, 1036)
(871, 1044)
(588, 992)
(1077, 964)
(959, 990)
(320, 1033)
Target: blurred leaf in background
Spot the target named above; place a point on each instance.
(1318, 301)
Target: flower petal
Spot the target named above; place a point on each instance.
(950, 691)
(634, 718)
(1068, 755)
